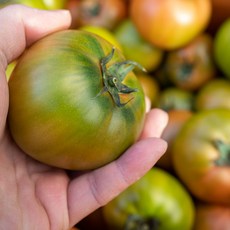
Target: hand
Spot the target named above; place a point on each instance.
(34, 195)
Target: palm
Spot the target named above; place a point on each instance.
(39, 191)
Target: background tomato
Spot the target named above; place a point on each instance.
(175, 98)
(222, 47)
(65, 108)
(136, 48)
(156, 201)
(105, 13)
(170, 24)
(150, 87)
(191, 66)
(215, 94)
(201, 155)
(177, 118)
(40, 4)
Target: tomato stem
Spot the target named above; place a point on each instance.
(114, 75)
(136, 222)
(224, 153)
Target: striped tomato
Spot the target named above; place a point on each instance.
(74, 101)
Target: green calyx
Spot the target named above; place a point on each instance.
(114, 75)
(224, 153)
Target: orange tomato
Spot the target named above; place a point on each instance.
(170, 24)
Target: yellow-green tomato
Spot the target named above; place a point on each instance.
(157, 201)
(74, 103)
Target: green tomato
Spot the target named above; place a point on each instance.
(222, 47)
(136, 48)
(40, 4)
(156, 201)
(175, 98)
(74, 101)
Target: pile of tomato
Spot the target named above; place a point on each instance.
(185, 48)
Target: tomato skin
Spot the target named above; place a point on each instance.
(57, 114)
(170, 24)
(201, 155)
(157, 198)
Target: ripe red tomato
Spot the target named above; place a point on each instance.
(170, 24)
(74, 103)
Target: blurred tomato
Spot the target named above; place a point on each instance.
(10, 69)
(191, 66)
(220, 12)
(170, 24)
(150, 87)
(136, 48)
(177, 118)
(156, 201)
(40, 4)
(212, 217)
(201, 155)
(215, 94)
(105, 13)
(175, 98)
(222, 47)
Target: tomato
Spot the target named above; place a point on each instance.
(156, 201)
(10, 69)
(136, 48)
(176, 120)
(212, 217)
(201, 155)
(150, 87)
(175, 98)
(222, 47)
(105, 13)
(214, 94)
(74, 103)
(40, 4)
(191, 66)
(170, 24)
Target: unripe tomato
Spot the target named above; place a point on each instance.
(157, 201)
(74, 103)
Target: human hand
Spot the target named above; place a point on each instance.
(37, 196)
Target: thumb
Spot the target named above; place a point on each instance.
(21, 26)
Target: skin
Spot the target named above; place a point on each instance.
(34, 195)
